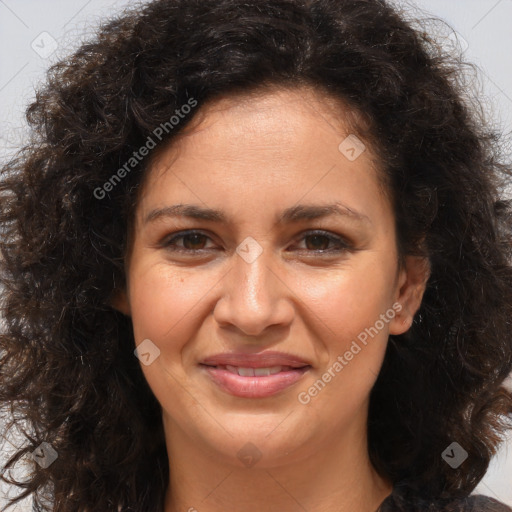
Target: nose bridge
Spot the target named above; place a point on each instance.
(253, 297)
(252, 285)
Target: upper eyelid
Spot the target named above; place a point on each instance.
(320, 232)
(180, 234)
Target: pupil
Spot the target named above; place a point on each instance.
(319, 242)
(192, 241)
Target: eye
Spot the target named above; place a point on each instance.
(187, 241)
(324, 242)
(313, 242)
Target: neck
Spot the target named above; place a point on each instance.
(332, 477)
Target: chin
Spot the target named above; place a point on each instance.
(263, 444)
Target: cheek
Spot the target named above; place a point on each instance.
(347, 302)
(348, 306)
(164, 301)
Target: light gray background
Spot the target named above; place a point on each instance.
(30, 28)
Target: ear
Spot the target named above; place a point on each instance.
(119, 301)
(411, 285)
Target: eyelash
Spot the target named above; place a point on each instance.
(342, 244)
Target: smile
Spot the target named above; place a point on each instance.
(250, 382)
(254, 372)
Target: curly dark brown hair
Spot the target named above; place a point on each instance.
(67, 369)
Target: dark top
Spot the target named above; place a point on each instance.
(396, 503)
(476, 503)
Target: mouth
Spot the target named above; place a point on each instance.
(254, 382)
(256, 372)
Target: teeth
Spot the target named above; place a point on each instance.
(246, 372)
(268, 371)
(255, 372)
(258, 372)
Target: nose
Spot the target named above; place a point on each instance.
(254, 297)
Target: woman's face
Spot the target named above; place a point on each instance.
(263, 241)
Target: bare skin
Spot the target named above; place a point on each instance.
(252, 158)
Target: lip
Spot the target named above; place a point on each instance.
(255, 386)
(260, 360)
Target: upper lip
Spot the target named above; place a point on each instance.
(261, 360)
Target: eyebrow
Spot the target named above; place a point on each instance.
(293, 214)
(311, 212)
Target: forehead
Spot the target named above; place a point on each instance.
(273, 139)
(257, 122)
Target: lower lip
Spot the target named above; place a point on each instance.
(254, 387)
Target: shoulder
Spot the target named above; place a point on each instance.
(473, 503)
(478, 503)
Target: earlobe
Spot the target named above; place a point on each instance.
(411, 286)
(119, 301)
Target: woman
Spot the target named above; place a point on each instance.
(256, 258)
